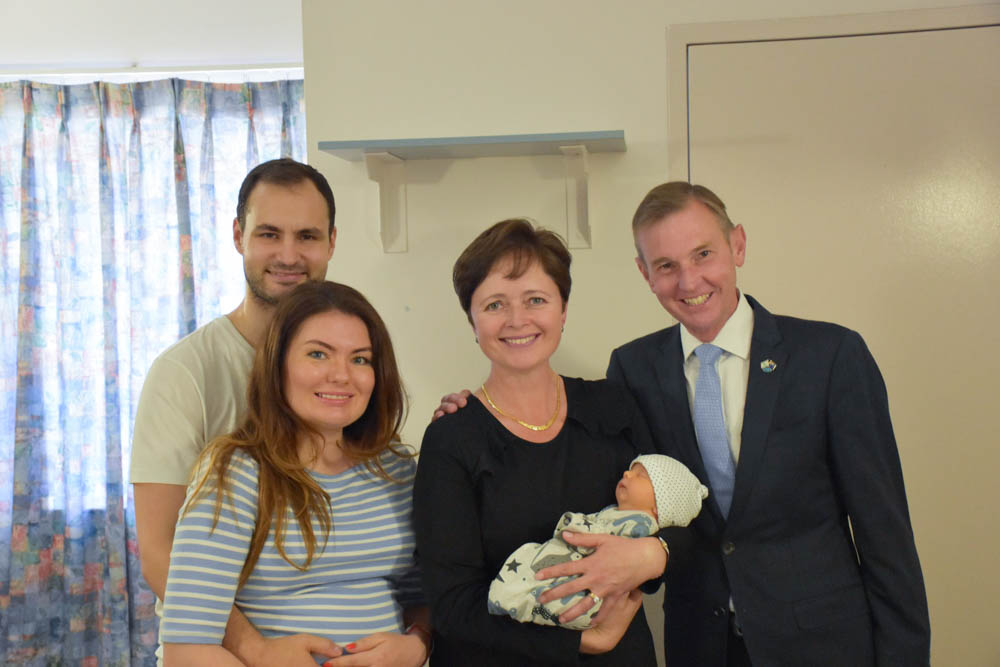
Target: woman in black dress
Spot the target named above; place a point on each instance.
(530, 445)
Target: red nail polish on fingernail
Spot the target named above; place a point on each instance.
(351, 646)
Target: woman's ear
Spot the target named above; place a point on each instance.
(472, 324)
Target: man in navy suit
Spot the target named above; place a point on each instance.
(813, 562)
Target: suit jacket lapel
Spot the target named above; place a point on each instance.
(762, 395)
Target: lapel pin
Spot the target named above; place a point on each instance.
(768, 365)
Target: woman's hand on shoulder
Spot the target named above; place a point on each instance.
(604, 637)
(452, 403)
(383, 649)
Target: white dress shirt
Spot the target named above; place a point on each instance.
(733, 367)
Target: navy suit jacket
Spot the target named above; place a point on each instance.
(817, 552)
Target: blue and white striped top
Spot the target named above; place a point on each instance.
(358, 585)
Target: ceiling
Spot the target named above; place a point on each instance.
(118, 35)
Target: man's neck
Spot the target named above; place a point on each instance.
(692, 340)
(251, 318)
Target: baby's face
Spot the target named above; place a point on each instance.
(635, 491)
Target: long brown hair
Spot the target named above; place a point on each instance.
(269, 434)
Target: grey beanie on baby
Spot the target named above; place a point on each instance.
(678, 492)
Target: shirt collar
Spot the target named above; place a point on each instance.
(734, 337)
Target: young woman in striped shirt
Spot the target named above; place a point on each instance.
(301, 517)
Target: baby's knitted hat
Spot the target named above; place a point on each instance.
(678, 492)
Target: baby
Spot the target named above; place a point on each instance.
(655, 492)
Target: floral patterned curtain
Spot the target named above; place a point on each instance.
(116, 208)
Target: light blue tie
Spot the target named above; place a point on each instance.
(710, 427)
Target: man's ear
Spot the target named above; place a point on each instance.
(642, 268)
(738, 244)
(333, 242)
(237, 236)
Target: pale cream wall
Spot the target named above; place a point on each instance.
(387, 69)
(383, 69)
(445, 70)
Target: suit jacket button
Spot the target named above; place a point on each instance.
(719, 611)
(728, 548)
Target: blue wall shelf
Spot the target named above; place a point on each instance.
(500, 145)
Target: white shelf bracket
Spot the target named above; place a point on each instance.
(577, 199)
(386, 159)
(387, 171)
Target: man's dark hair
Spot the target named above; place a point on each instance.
(287, 172)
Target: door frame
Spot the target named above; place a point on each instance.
(682, 37)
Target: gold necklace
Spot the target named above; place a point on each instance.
(533, 427)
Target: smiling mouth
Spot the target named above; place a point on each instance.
(334, 397)
(286, 275)
(697, 300)
(523, 340)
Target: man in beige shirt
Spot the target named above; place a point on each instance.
(196, 389)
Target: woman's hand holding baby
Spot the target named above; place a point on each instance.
(618, 615)
(618, 566)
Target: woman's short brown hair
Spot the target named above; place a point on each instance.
(520, 241)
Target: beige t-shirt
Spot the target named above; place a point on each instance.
(194, 391)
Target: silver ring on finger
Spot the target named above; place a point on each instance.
(595, 597)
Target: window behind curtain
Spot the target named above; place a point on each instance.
(116, 209)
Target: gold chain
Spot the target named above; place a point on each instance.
(533, 427)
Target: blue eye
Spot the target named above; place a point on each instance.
(361, 361)
(493, 306)
(537, 301)
(316, 354)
